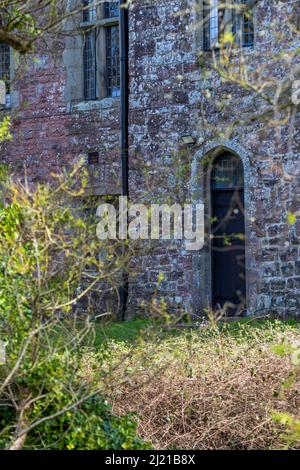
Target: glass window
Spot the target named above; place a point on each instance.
(90, 65)
(89, 10)
(236, 17)
(242, 24)
(111, 9)
(101, 55)
(112, 61)
(5, 69)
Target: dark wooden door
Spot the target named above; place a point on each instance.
(228, 250)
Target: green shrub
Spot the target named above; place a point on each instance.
(46, 245)
(89, 425)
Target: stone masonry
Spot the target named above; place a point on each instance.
(172, 95)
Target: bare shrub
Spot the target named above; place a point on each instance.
(213, 391)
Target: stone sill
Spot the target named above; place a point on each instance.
(102, 191)
(247, 50)
(97, 105)
(7, 105)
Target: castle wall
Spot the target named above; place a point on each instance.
(174, 93)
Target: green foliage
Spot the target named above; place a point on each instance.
(90, 425)
(21, 23)
(125, 331)
(5, 129)
(290, 423)
(242, 329)
(45, 247)
(291, 218)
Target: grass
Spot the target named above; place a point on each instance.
(126, 331)
(131, 330)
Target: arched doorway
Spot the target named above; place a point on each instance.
(228, 235)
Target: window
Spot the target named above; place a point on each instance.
(101, 52)
(242, 25)
(227, 172)
(93, 158)
(234, 16)
(5, 67)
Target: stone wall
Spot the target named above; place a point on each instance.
(172, 96)
(52, 131)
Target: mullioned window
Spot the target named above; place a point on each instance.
(233, 16)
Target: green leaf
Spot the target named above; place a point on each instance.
(291, 218)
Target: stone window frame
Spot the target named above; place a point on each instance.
(231, 21)
(12, 96)
(97, 25)
(73, 63)
(6, 58)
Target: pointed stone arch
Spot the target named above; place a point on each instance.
(200, 192)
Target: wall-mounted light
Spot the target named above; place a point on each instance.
(188, 140)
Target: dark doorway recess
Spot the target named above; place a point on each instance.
(228, 235)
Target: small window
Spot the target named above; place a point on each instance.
(236, 18)
(90, 65)
(5, 69)
(93, 158)
(101, 51)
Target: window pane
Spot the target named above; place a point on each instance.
(243, 26)
(113, 61)
(216, 19)
(227, 172)
(206, 25)
(90, 11)
(214, 22)
(5, 65)
(248, 27)
(90, 65)
(111, 9)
